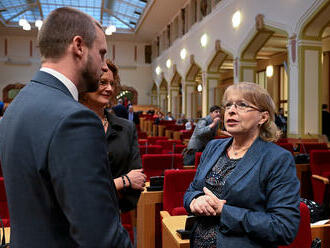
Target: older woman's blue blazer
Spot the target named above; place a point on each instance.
(262, 194)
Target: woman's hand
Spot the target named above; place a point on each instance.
(207, 205)
(138, 179)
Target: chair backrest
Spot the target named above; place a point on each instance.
(304, 235)
(176, 183)
(142, 135)
(186, 134)
(286, 146)
(320, 165)
(4, 212)
(168, 144)
(307, 147)
(153, 140)
(197, 158)
(179, 148)
(152, 149)
(155, 164)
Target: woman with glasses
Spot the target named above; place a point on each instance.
(245, 191)
(123, 150)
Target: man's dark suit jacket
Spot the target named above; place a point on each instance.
(58, 181)
(121, 111)
(136, 119)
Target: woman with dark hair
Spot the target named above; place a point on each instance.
(245, 191)
(123, 150)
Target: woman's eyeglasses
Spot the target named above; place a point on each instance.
(240, 106)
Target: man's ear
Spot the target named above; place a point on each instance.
(78, 47)
(264, 117)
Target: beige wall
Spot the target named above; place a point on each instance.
(19, 66)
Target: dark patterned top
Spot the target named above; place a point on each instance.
(205, 235)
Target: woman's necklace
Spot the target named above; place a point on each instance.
(239, 151)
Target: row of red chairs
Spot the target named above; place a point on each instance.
(304, 147)
(4, 212)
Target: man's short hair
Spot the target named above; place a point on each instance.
(324, 106)
(214, 107)
(59, 29)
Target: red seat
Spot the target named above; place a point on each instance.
(179, 148)
(320, 165)
(153, 149)
(286, 146)
(186, 134)
(176, 183)
(153, 140)
(155, 164)
(167, 145)
(304, 235)
(197, 158)
(142, 141)
(4, 212)
(142, 135)
(307, 147)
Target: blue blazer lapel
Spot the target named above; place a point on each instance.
(51, 81)
(243, 166)
(214, 157)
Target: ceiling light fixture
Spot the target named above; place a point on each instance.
(158, 70)
(168, 63)
(22, 22)
(204, 40)
(27, 27)
(236, 20)
(199, 88)
(183, 53)
(269, 71)
(38, 24)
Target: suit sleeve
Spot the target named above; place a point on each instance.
(202, 128)
(278, 223)
(130, 197)
(79, 172)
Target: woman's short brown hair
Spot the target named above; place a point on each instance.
(259, 97)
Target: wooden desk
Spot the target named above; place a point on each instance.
(7, 233)
(146, 214)
(322, 232)
(171, 239)
(304, 176)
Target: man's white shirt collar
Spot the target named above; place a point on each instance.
(67, 82)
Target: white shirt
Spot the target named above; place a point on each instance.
(67, 82)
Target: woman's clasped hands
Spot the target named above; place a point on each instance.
(207, 204)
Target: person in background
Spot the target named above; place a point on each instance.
(169, 117)
(58, 188)
(246, 191)
(189, 125)
(281, 121)
(160, 116)
(325, 121)
(133, 116)
(205, 130)
(121, 136)
(120, 110)
(182, 120)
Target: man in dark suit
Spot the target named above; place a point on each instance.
(133, 116)
(59, 185)
(120, 110)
